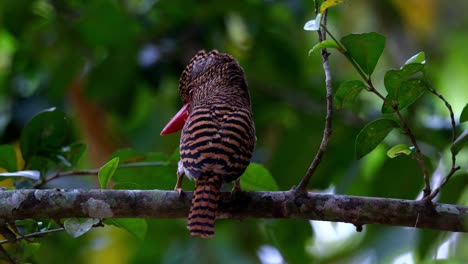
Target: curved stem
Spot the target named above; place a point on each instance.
(302, 187)
(454, 167)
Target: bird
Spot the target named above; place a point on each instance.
(218, 133)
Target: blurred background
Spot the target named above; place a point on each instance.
(113, 67)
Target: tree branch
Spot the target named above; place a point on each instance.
(57, 203)
(302, 187)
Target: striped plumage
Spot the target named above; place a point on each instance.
(218, 136)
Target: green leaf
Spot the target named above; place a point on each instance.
(328, 43)
(365, 49)
(258, 178)
(149, 177)
(398, 150)
(76, 227)
(135, 226)
(464, 114)
(107, 171)
(419, 58)
(45, 134)
(459, 142)
(347, 93)
(372, 134)
(408, 93)
(394, 78)
(8, 158)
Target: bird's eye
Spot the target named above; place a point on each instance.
(190, 93)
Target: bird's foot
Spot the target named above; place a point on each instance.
(178, 186)
(236, 190)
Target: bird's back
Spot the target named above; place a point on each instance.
(218, 137)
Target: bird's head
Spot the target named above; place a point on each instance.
(206, 76)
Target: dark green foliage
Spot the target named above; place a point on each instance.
(45, 135)
(7, 158)
(464, 114)
(347, 93)
(47, 47)
(372, 134)
(365, 49)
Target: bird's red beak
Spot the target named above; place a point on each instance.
(177, 122)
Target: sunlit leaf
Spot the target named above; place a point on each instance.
(135, 226)
(410, 69)
(347, 93)
(372, 134)
(313, 25)
(409, 92)
(7, 157)
(31, 174)
(398, 150)
(419, 58)
(329, 3)
(464, 114)
(460, 142)
(328, 43)
(365, 49)
(107, 171)
(258, 178)
(76, 227)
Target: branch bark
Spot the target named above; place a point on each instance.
(59, 203)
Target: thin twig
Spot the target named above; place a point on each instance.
(36, 234)
(302, 187)
(454, 167)
(96, 171)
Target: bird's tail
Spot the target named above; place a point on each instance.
(205, 199)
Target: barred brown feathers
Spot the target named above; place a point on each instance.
(218, 134)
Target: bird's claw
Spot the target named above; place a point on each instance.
(178, 190)
(236, 189)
